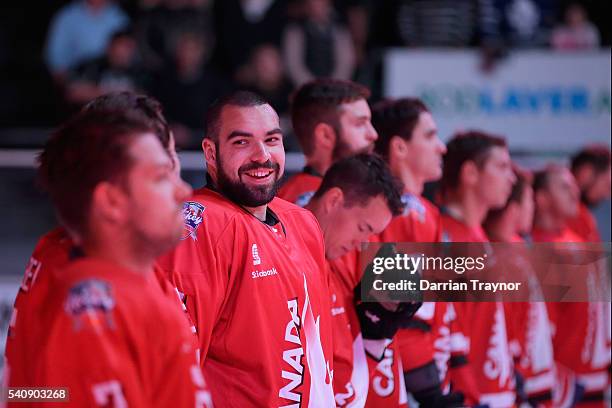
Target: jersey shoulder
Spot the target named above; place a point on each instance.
(55, 244)
(300, 188)
(286, 210)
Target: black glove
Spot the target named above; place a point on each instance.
(378, 322)
(436, 399)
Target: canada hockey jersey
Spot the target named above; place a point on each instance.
(114, 338)
(582, 348)
(258, 295)
(484, 328)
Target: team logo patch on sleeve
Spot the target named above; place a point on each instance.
(88, 300)
(193, 214)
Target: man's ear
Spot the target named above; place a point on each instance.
(325, 136)
(110, 202)
(397, 147)
(210, 155)
(333, 199)
(469, 173)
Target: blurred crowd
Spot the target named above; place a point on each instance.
(187, 53)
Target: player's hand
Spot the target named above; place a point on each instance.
(381, 320)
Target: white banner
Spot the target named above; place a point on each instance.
(540, 100)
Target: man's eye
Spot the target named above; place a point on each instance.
(239, 142)
(272, 139)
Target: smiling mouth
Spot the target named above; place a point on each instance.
(259, 174)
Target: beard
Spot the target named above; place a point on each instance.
(342, 149)
(244, 195)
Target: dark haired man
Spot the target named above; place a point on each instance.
(331, 119)
(58, 246)
(478, 177)
(582, 348)
(251, 267)
(357, 198)
(408, 139)
(103, 170)
(591, 168)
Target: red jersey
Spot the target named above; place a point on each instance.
(51, 252)
(258, 294)
(384, 386)
(584, 225)
(582, 347)
(300, 188)
(351, 377)
(485, 330)
(420, 222)
(530, 341)
(112, 336)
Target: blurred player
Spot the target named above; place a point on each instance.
(513, 221)
(331, 119)
(357, 198)
(591, 168)
(529, 329)
(57, 247)
(108, 332)
(582, 348)
(408, 140)
(478, 177)
(251, 269)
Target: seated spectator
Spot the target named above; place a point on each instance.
(265, 75)
(161, 24)
(318, 46)
(118, 70)
(242, 25)
(578, 33)
(188, 86)
(81, 31)
(527, 23)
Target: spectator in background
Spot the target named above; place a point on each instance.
(160, 26)
(188, 86)
(81, 31)
(526, 23)
(265, 75)
(244, 24)
(118, 70)
(578, 33)
(318, 46)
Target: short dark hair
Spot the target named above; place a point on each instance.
(361, 178)
(472, 145)
(136, 104)
(238, 98)
(597, 156)
(395, 118)
(541, 178)
(318, 102)
(90, 148)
